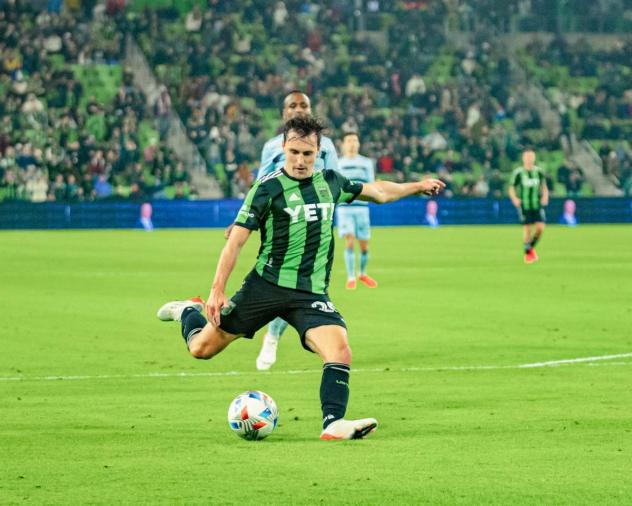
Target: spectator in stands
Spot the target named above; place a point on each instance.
(564, 171)
(574, 182)
(102, 188)
(415, 86)
(74, 192)
(242, 181)
(58, 189)
(10, 185)
(162, 110)
(496, 185)
(193, 21)
(37, 187)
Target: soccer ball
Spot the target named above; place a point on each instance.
(253, 415)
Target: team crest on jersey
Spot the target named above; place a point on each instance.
(323, 192)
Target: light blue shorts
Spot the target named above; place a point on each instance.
(354, 220)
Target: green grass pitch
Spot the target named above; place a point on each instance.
(93, 409)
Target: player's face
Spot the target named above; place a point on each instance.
(296, 104)
(528, 159)
(300, 154)
(351, 146)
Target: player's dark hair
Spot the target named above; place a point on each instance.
(304, 126)
(347, 134)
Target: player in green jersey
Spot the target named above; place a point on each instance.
(293, 208)
(529, 193)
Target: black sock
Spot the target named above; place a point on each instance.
(192, 323)
(535, 239)
(334, 392)
(527, 246)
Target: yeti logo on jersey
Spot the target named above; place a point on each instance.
(311, 212)
(325, 307)
(529, 182)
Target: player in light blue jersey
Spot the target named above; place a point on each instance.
(353, 219)
(296, 103)
(272, 156)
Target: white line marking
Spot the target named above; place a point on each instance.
(552, 363)
(576, 360)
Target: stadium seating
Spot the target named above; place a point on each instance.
(421, 106)
(74, 127)
(591, 88)
(421, 103)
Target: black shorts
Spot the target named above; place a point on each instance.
(258, 302)
(531, 216)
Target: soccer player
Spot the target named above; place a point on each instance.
(295, 104)
(529, 193)
(353, 219)
(293, 208)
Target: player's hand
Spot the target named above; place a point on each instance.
(544, 201)
(516, 202)
(214, 304)
(431, 186)
(228, 230)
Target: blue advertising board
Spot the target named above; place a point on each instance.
(220, 213)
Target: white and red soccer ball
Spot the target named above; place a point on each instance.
(253, 415)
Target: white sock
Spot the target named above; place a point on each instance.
(269, 339)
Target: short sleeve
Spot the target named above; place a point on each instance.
(330, 157)
(255, 207)
(268, 154)
(348, 189)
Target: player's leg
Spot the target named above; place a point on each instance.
(204, 340)
(350, 261)
(331, 344)
(526, 237)
(268, 353)
(528, 248)
(209, 341)
(346, 230)
(363, 233)
(364, 260)
(539, 229)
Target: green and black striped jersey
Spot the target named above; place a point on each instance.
(295, 218)
(528, 184)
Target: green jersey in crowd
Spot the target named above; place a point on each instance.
(295, 217)
(528, 185)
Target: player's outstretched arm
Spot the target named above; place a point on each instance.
(227, 260)
(382, 192)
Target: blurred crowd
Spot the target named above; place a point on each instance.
(59, 142)
(592, 89)
(419, 105)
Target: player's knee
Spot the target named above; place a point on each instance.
(343, 353)
(200, 350)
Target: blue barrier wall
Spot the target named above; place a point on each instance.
(220, 213)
